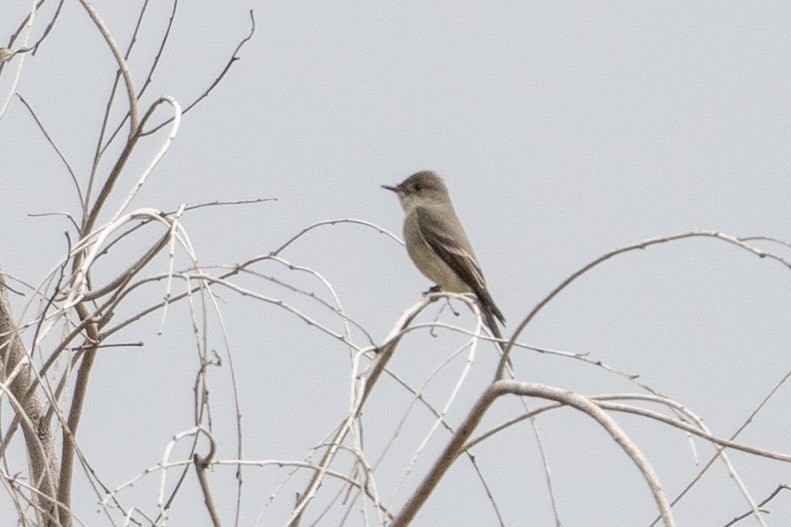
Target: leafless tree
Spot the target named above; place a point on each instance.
(51, 342)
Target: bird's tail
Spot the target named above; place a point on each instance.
(489, 313)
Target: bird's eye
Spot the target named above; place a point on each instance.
(418, 187)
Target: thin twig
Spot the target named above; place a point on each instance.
(234, 58)
(769, 498)
(501, 370)
(54, 147)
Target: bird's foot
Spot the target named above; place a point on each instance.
(432, 289)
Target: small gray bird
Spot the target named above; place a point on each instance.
(438, 245)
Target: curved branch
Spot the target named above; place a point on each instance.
(501, 370)
(502, 387)
(201, 466)
(134, 119)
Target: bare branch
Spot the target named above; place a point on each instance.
(40, 445)
(201, 466)
(122, 65)
(502, 387)
(57, 150)
(234, 58)
(769, 498)
(641, 245)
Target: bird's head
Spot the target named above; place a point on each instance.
(420, 188)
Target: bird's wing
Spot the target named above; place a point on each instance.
(457, 254)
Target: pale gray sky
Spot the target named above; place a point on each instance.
(564, 130)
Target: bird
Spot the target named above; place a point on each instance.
(437, 244)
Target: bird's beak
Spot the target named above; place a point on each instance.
(394, 189)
